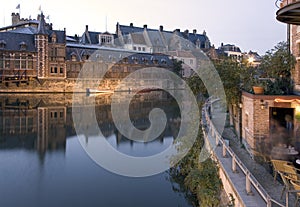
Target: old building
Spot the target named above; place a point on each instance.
(271, 123)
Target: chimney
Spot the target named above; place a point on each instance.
(86, 28)
(161, 28)
(186, 31)
(177, 30)
(194, 31)
(131, 24)
(145, 26)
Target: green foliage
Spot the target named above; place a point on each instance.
(177, 67)
(196, 85)
(275, 67)
(201, 179)
(230, 73)
(205, 183)
(277, 62)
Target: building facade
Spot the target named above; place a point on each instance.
(35, 57)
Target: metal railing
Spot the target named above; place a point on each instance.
(226, 150)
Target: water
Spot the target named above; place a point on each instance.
(43, 164)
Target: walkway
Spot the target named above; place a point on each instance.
(262, 173)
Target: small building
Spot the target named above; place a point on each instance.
(270, 121)
(230, 50)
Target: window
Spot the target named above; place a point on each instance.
(53, 70)
(105, 39)
(53, 37)
(139, 48)
(191, 62)
(73, 57)
(23, 46)
(1, 62)
(7, 62)
(144, 49)
(30, 62)
(23, 63)
(17, 61)
(2, 44)
(61, 70)
(134, 48)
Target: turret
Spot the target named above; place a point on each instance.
(41, 43)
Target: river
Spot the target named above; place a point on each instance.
(43, 163)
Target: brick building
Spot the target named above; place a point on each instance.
(270, 123)
(35, 57)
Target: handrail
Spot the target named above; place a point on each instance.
(250, 179)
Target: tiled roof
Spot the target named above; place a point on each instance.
(156, 38)
(60, 35)
(194, 37)
(130, 29)
(115, 54)
(25, 30)
(138, 38)
(13, 41)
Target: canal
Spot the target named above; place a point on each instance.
(43, 163)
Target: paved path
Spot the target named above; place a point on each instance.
(262, 172)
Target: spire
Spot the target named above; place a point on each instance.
(41, 28)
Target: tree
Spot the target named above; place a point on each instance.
(177, 67)
(200, 178)
(275, 67)
(230, 72)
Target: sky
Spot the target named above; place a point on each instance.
(251, 25)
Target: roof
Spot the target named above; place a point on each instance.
(60, 35)
(161, 38)
(125, 30)
(138, 38)
(156, 38)
(111, 54)
(183, 54)
(13, 41)
(230, 47)
(197, 37)
(25, 30)
(41, 27)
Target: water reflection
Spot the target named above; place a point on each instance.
(44, 121)
(43, 164)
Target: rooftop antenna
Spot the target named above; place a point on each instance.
(106, 23)
(3, 17)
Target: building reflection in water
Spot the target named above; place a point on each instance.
(43, 122)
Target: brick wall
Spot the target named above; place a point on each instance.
(256, 118)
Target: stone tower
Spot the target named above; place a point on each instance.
(41, 43)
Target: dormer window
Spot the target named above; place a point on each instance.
(106, 38)
(23, 46)
(198, 43)
(73, 56)
(135, 60)
(85, 56)
(2, 44)
(163, 61)
(53, 38)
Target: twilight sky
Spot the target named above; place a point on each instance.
(251, 25)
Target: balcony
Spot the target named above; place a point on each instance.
(289, 12)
